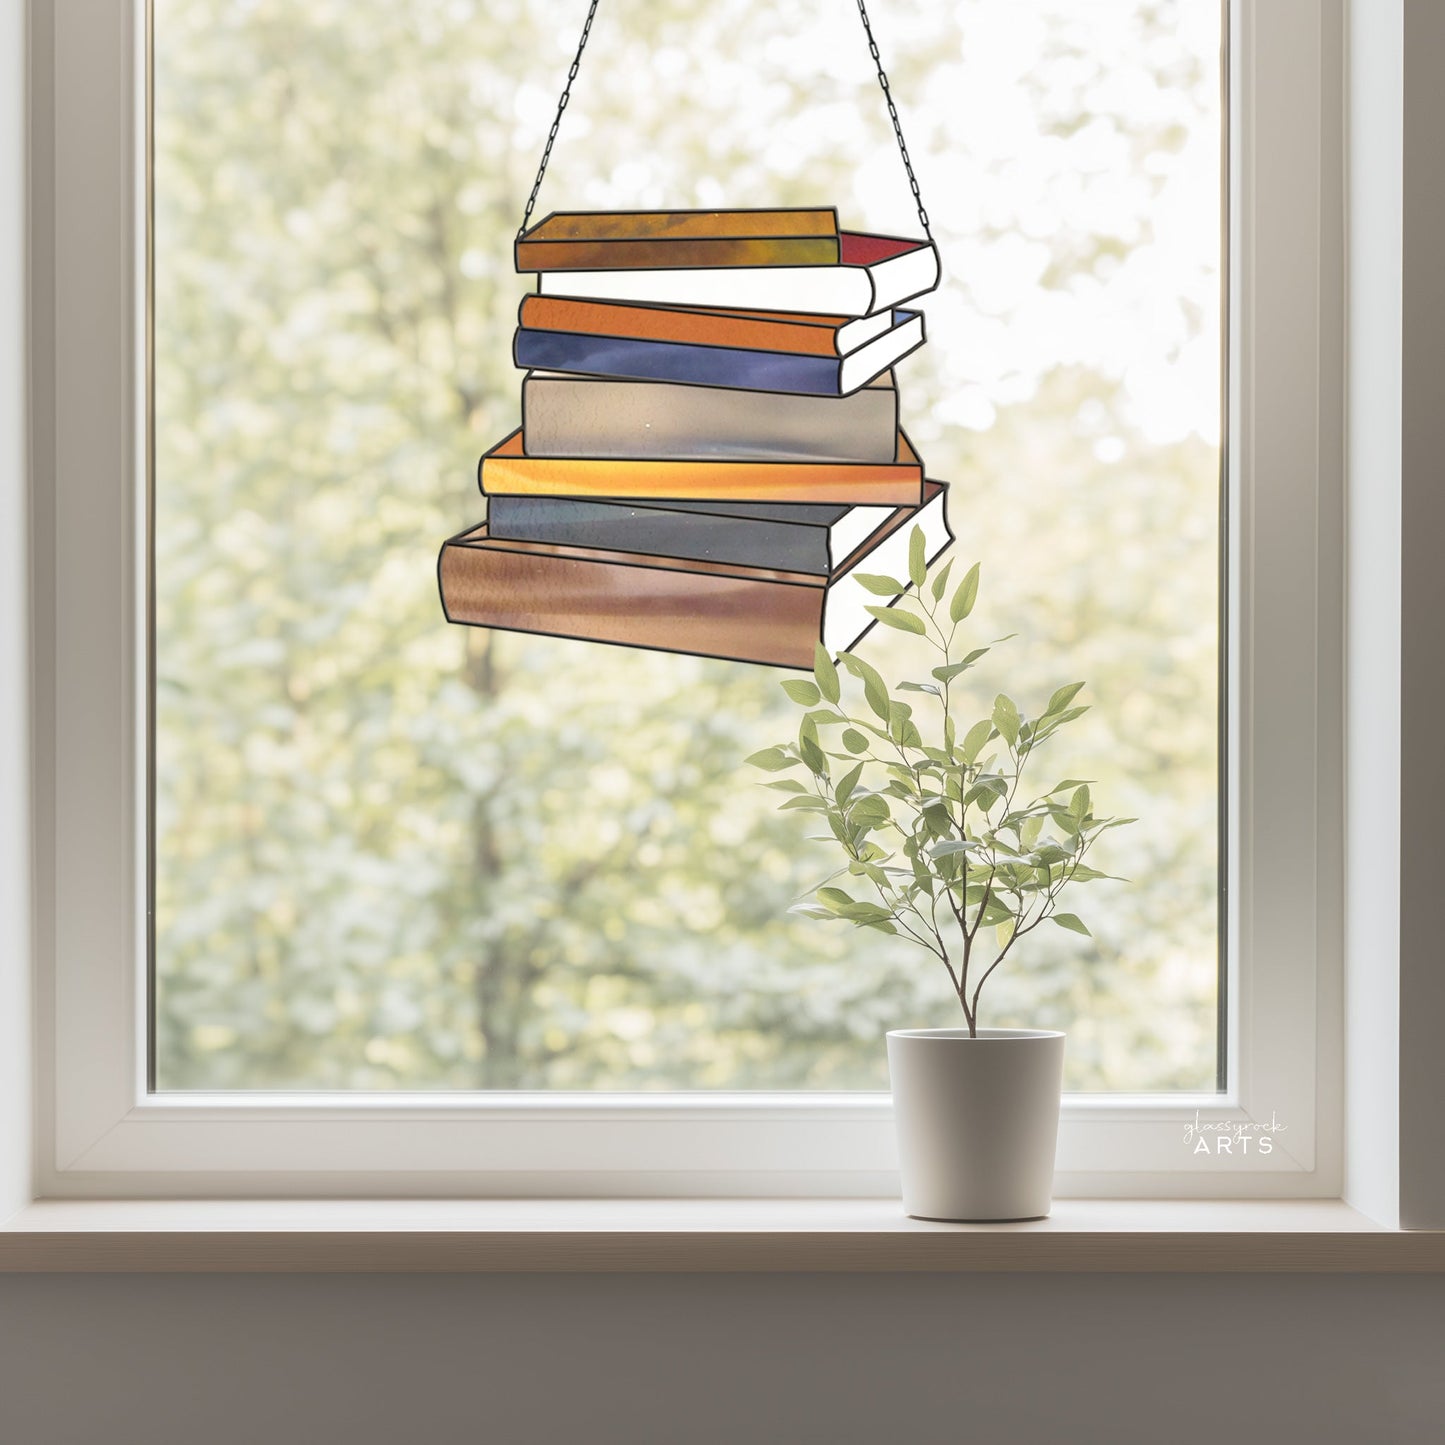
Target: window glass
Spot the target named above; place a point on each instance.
(397, 854)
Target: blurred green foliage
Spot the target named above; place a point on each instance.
(398, 854)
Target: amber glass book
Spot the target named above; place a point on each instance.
(660, 240)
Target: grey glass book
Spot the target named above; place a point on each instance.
(596, 416)
(783, 536)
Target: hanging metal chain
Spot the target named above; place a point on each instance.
(893, 116)
(557, 119)
(882, 81)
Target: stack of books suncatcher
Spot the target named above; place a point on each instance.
(710, 448)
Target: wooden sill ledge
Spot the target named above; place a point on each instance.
(627, 1236)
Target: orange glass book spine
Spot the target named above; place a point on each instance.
(749, 331)
(505, 471)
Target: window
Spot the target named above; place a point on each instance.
(392, 855)
(387, 855)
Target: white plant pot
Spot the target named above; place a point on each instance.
(977, 1120)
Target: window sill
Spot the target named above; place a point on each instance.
(658, 1236)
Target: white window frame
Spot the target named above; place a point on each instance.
(101, 1134)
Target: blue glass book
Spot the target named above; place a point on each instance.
(675, 361)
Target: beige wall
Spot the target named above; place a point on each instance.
(14, 618)
(1422, 606)
(730, 1360)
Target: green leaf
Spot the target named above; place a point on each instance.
(1082, 873)
(806, 804)
(918, 687)
(813, 756)
(917, 557)
(866, 913)
(1062, 698)
(966, 596)
(879, 585)
(941, 581)
(976, 738)
(1072, 922)
(844, 789)
(787, 786)
(1067, 784)
(874, 691)
(772, 760)
(854, 741)
(896, 617)
(1068, 715)
(901, 727)
(1079, 803)
(871, 809)
(986, 793)
(997, 912)
(802, 692)
(954, 669)
(825, 673)
(1006, 719)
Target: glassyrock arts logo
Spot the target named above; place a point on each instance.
(1232, 1138)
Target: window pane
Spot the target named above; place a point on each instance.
(393, 853)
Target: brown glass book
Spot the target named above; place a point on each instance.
(507, 471)
(665, 240)
(664, 604)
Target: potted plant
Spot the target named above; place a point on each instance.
(943, 846)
